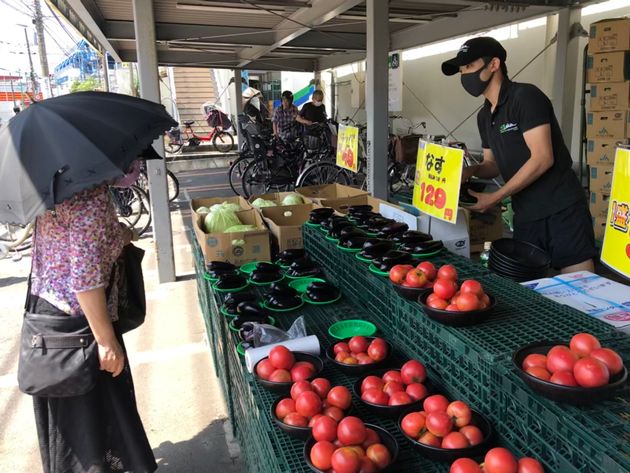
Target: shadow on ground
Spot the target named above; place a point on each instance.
(4, 282)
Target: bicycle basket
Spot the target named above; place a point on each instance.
(174, 133)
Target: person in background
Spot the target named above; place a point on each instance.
(314, 111)
(522, 141)
(284, 124)
(16, 110)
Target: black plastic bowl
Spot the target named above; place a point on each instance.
(301, 433)
(286, 387)
(575, 395)
(452, 454)
(355, 370)
(457, 319)
(387, 439)
(520, 253)
(411, 293)
(388, 411)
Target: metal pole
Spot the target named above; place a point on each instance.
(144, 26)
(376, 96)
(41, 43)
(237, 102)
(30, 61)
(12, 92)
(105, 71)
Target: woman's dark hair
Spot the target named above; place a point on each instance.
(287, 94)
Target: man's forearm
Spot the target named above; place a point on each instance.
(525, 176)
(486, 170)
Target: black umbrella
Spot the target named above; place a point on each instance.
(63, 145)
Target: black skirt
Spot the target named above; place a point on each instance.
(99, 432)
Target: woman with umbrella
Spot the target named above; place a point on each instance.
(75, 272)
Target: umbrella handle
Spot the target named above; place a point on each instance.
(53, 181)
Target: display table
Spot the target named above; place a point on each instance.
(472, 364)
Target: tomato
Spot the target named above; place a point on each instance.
(321, 386)
(428, 438)
(413, 372)
(438, 423)
(351, 431)
(500, 460)
(284, 407)
(447, 271)
(340, 397)
(333, 412)
(610, 358)
(372, 381)
(467, 301)
(325, 428)
(589, 372)
(358, 344)
(460, 412)
(299, 387)
(392, 375)
(435, 403)
(560, 358)
(429, 269)
(321, 455)
(308, 404)
(342, 355)
(398, 272)
(534, 359)
(444, 288)
(364, 359)
(538, 372)
(416, 278)
(378, 349)
(455, 440)
(280, 376)
(351, 360)
(281, 357)
(379, 455)
(582, 344)
(371, 438)
(473, 434)
(471, 286)
(264, 368)
(393, 387)
(367, 466)
(416, 391)
(399, 398)
(564, 378)
(346, 460)
(412, 424)
(529, 465)
(295, 419)
(485, 299)
(341, 346)
(452, 308)
(437, 303)
(465, 465)
(375, 396)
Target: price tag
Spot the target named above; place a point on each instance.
(348, 148)
(437, 181)
(616, 247)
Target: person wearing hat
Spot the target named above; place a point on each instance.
(522, 142)
(284, 124)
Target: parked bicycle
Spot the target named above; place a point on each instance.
(171, 181)
(132, 207)
(221, 139)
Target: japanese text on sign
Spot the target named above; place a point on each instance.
(347, 148)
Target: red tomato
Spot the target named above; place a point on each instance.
(280, 376)
(412, 424)
(264, 368)
(375, 396)
(308, 404)
(435, 403)
(325, 428)
(471, 286)
(379, 455)
(473, 434)
(590, 372)
(429, 269)
(428, 438)
(413, 372)
(439, 423)
(444, 288)
(538, 372)
(529, 465)
(321, 386)
(500, 460)
(392, 375)
(535, 359)
(485, 299)
(564, 378)
(393, 387)
(398, 272)
(321, 455)
(467, 301)
(452, 308)
(341, 346)
(455, 440)
(460, 412)
(465, 465)
(295, 419)
(351, 431)
(314, 419)
(560, 358)
(416, 278)
(372, 381)
(281, 358)
(333, 412)
(351, 360)
(610, 358)
(340, 397)
(371, 438)
(437, 303)
(302, 372)
(367, 466)
(582, 344)
(285, 407)
(358, 344)
(399, 398)
(447, 271)
(364, 359)
(342, 355)
(299, 387)
(417, 391)
(377, 349)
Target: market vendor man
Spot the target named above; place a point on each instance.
(522, 142)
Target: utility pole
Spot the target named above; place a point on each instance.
(30, 61)
(38, 21)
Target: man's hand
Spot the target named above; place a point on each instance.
(469, 171)
(485, 201)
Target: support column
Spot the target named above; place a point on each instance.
(237, 102)
(376, 96)
(144, 26)
(105, 71)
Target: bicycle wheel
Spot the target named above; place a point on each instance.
(223, 141)
(173, 185)
(258, 179)
(235, 174)
(171, 145)
(132, 207)
(323, 172)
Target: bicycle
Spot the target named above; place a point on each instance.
(171, 181)
(132, 207)
(222, 140)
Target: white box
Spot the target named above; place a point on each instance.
(396, 213)
(606, 300)
(456, 238)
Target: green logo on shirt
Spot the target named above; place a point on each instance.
(508, 127)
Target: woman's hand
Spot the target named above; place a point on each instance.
(111, 357)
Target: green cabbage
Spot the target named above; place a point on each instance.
(225, 206)
(220, 218)
(263, 203)
(240, 228)
(293, 199)
(203, 210)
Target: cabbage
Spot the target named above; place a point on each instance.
(293, 199)
(203, 210)
(263, 203)
(240, 228)
(219, 219)
(226, 206)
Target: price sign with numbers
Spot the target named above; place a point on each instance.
(616, 246)
(348, 148)
(437, 181)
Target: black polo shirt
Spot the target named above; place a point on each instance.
(313, 113)
(522, 107)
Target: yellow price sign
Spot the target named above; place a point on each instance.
(616, 246)
(348, 148)
(437, 181)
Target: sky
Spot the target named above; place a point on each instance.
(13, 53)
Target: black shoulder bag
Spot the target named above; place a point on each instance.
(132, 304)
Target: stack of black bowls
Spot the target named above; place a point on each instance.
(518, 260)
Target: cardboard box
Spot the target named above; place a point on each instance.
(210, 201)
(608, 67)
(237, 248)
(600, 179)
(456, 238)
(276, 197)
(611, 124)
(487, 226)
(287, 229)
(602, 151)
(610, 96)
(598, 204)
(330, 195)
(609, 35)
(599, 227)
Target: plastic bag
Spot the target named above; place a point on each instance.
(265, 334)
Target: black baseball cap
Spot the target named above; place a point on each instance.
(473, 49)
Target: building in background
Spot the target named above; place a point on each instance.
(82, 64)
(15, 91)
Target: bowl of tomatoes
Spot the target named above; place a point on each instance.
(358, 355)
(282, 368)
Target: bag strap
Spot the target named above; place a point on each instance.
(27, 302)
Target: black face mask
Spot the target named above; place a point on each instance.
(473, 84)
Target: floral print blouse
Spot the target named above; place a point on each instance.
(76, 249)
